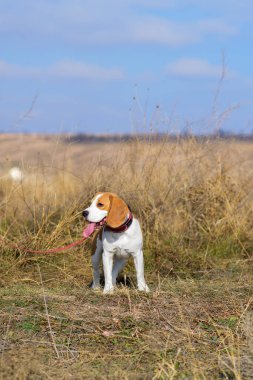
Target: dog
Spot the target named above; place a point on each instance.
(119, 238)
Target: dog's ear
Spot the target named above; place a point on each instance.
(117, 212)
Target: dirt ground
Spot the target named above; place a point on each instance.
(55, 327)
(194, 201)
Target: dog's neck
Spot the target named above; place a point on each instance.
(123, 226)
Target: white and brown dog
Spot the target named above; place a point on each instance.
(119, 238)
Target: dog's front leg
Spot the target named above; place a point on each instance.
(139, 266)
(107, 264)
(95, 259)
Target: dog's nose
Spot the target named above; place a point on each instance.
(85, 213)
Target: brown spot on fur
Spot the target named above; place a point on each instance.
(117, 213)
(105, 200)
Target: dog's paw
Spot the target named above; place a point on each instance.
(143, 288)
(94, 285)
(108, 289)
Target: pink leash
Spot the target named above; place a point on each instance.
(86, 233)
(54, 250)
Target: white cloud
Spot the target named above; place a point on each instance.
(100, 22)
(217, 26)
(192, 67)
(159, 31)
(62, 69)
(72, 69)
(10, 70)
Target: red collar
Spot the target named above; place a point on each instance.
(123, 226)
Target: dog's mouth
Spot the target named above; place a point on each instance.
(92, 226)
(100, 224)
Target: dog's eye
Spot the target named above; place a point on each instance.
(100, 204)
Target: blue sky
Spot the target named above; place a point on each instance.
(105, 66)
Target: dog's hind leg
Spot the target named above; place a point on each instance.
(139, 266)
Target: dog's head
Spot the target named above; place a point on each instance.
(107, 208)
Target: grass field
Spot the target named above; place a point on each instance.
(194, 201)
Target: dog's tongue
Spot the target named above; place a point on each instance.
(89, 230)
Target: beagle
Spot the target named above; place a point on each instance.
(119, 238)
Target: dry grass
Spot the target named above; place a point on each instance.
(194, 201)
